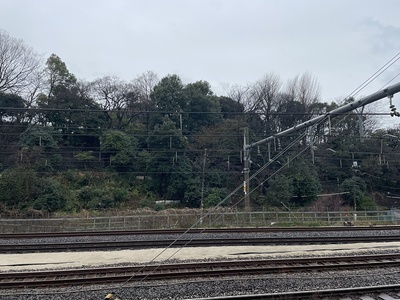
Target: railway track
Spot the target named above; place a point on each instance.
(208, 270)
(195, 230)
(192, 242)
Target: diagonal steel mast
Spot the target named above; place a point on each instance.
(387, 92)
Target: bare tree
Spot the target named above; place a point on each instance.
(264, 93)
(304, 89)
(144, 85)
(264, 96)
(114, 96)
(18, 63)
(239, 94)
(37, 83)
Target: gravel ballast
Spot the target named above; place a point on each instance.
(188, 289)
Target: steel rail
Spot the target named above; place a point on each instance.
(206, 270)
(194, 230)
(193, 242)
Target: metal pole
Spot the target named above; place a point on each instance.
(202, 180)
(246, 170)
(387, 92)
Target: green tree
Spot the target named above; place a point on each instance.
(168, 94)
(192, 196)
(13, 123)
(59, 77)
(224, 143)
(119, 149)
(166, 145)
(231, 109)
(203, 108)
(68, 107)
(169, 99)
(345, 132)
(37, 147)
(280, 191)
(85, 157)
(305, 182)
(179, 179)
(39, 136)
(305, 188)
(356, 195)
(10, 108)
(291, 113)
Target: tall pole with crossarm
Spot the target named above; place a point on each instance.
(246, 170)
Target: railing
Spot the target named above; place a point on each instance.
(163, 220)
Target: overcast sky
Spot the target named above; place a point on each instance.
(340, 42)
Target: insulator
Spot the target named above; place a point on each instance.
(391, 106)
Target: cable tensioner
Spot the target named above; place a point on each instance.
(393, 111)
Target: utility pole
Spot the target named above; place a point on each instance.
(246, 170)
(202, 179)
(311, 132)
(202, 186)
(386, 92)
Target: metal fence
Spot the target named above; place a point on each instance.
(198, 219)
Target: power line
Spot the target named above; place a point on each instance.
(375, 75)
(128, 111)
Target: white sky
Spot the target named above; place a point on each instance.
(340, 42)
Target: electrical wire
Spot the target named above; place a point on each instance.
(375, 75)
(119, 287)
(265, 166)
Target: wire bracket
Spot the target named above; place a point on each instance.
(393, 111)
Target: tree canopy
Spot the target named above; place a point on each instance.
(111, 142)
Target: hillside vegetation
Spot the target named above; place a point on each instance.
(68, 145)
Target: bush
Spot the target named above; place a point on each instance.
(53, 197)
(214, 197)
(18, 186)
(367, 203)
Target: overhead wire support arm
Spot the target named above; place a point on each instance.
(386, 92)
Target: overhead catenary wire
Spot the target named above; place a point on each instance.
(200, 220)
(321, 120)
(120, 286)
(222, 201)
(386, 66)
(129, 111)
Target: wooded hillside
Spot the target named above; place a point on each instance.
(67, 144)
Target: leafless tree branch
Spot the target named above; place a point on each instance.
(18, 63)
